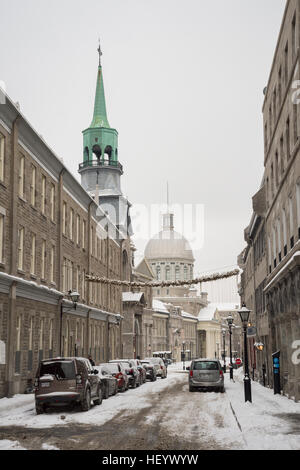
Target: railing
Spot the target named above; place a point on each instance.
(105, 163)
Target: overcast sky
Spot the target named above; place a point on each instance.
(184, 87)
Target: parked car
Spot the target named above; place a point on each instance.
(150, 369)
(206, 373)
(109, 380)
(160, 367)
(118, 370)
(140, 368)
(131, 371)
(66, 380)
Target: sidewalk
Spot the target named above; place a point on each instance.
(270, 421)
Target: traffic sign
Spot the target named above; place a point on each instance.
(238, 362)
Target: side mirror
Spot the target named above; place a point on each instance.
(96, 371)
(187, 368)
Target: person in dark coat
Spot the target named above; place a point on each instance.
(91, 360)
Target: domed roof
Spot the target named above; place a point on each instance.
(169, 244)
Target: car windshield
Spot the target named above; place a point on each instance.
(206, 365)
(60, 369)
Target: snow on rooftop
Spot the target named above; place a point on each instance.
(188, 315)
(159, 306)
(132, 296)
(208, 313)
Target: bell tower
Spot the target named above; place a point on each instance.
(100, 169)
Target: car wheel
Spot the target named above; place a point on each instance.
(116, 389)
(98, 401)
(153, 378)
(39, 409)
(222, 389)
(86, 402)
(134, 385)
(191, 388)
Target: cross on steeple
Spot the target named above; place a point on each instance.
(99, 52)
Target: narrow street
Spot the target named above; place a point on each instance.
(160, 416)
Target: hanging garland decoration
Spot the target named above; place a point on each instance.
(199, 280)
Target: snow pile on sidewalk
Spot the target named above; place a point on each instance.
(6, 444)
(270, 422)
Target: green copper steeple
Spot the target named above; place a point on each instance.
(100, 141)
(100, 117)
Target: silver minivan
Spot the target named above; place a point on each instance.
(206, 374)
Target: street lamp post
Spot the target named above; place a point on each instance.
(224, 353)
(183, 354)
(230, 322)
(244, 314)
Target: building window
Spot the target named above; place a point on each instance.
(284, 232)
(158, 273)
(77, 229)
(177, 273)
(83, 233)
(282, 155)
(2, 151)
(295, 121)
(30, 345)
(288, 143)
(43, 260)
(286, 63)
(43, 201)
(52, 265)
(279, 240)
(18, 345)
(168, 273)
(41, 340)
(32, 256)
(292, 240)
(33, 186)
(52, 202)
(83, 284)
(294, 37)
(71, 223)
(185, 273)
(64, 219)
(22, 176)
(92, 241)
(51, 339)
(21, 248)
(1, 237)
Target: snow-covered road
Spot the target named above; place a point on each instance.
(159, 415)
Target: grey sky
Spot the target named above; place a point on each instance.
(184, 88)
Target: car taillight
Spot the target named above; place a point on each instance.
(161, 367)
(191, 373)
(221, 373)
(78, 379)
(131, 371)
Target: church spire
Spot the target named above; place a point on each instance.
(99, 117)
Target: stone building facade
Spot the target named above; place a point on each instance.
(276, 311)
(50, 238)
